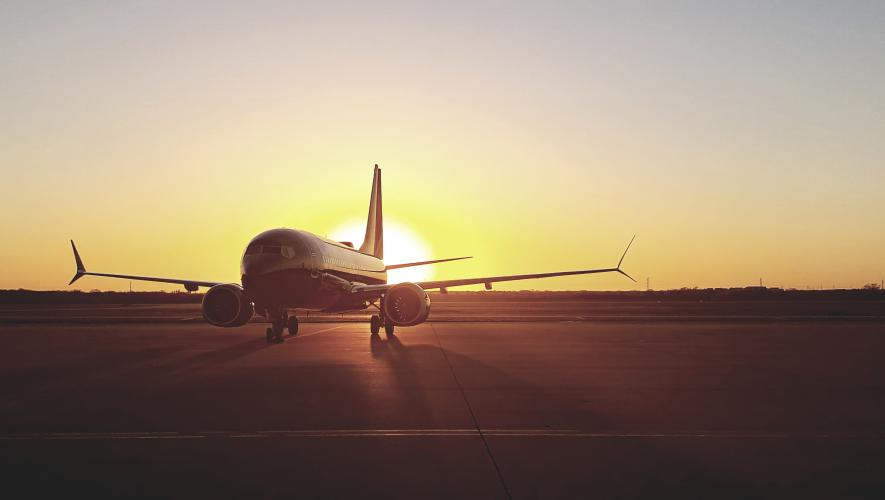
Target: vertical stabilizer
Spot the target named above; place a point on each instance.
(373, 243)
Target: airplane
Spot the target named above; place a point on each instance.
(284, 270)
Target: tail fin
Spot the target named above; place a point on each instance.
(373, 244)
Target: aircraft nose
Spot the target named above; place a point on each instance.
(257, 264)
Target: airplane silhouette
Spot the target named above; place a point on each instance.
(284, 270)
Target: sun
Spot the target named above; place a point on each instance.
(401, 245)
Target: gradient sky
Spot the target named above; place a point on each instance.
(738, 141)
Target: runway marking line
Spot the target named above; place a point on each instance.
(311, 334)
(476, 425)
(344, 433)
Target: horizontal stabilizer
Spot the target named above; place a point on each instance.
(422, 263)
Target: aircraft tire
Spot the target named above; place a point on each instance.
(375, 324)
(292, 326)
(388, 328)
(269, 335)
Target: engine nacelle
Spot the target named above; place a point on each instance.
(406, 304)
(227, 306)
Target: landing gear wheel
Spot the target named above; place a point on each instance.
(375, 324)
(269, 335)
(278, 322)
(293, 326)
(388, 328)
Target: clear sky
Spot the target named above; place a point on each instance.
(738, 141)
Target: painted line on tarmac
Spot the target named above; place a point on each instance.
(311, 334)
(361, 433)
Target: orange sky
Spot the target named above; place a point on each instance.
(737, 143)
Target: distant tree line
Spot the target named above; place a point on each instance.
(96, 297)
(869, 292)
(691, 294)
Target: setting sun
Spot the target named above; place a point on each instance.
(401, 244)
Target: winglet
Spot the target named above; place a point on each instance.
(625, 251)
(81, 269)
(618, 268)
(625, 274)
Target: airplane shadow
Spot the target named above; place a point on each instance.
(499, 400)
(223, 355)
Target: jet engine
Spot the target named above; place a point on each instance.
(227, 305)
(406, 304)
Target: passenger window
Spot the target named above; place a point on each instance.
(271, 249)
(288, 252)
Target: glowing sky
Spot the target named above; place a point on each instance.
(738, 142)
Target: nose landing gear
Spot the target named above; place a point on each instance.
(280, 320)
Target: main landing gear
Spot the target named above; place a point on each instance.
(376, 322)
(279, 322)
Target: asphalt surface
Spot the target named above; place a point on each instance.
(576, 409)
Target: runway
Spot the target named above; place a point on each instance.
(554, 409)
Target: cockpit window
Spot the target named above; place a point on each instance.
(271, 249)
(256, 248)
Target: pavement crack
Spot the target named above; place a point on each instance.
(472, 415)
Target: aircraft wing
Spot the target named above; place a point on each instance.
(488, 280)
(429, 285)
(190, 285)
